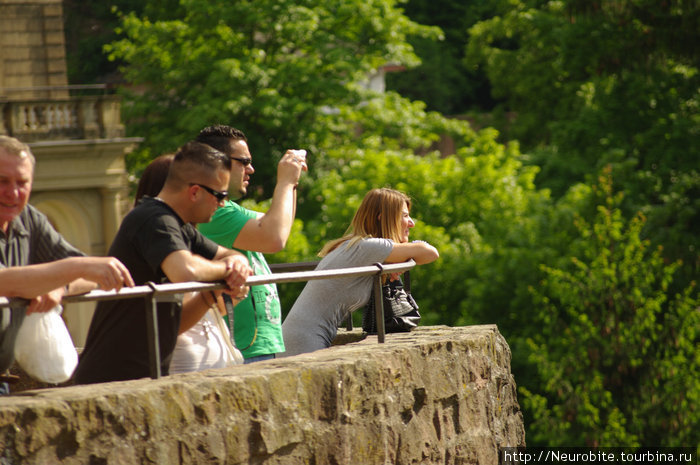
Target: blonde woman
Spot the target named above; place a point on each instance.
(378, 233)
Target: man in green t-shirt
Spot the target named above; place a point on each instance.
(257, 319)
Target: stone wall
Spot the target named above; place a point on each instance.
(437, 395)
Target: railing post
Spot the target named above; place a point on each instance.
(379, 307)
(152, 331)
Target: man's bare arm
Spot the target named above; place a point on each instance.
(229, 265)
(268, 233)
(35, 280)
(184, 266)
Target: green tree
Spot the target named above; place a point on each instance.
(443, 80)
(283, 72)
(89, 25)
(616, 353)
(592, 84)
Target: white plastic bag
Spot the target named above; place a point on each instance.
(44, 348)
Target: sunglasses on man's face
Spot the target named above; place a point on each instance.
(220, 195)
(243, 161)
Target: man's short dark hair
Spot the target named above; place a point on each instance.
(219, 137)
(194, 162)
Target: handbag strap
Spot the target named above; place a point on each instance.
(214, 309)
(407, 281)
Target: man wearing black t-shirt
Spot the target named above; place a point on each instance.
(157, 241)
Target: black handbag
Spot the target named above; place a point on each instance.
(400, 309)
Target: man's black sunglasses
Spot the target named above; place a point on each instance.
(243, 161)
(220, 195)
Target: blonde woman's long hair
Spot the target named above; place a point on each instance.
(378, 216)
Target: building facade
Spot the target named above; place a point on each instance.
(80, 181)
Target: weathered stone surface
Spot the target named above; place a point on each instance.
(437, 395)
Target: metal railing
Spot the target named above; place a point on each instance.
(152, 293)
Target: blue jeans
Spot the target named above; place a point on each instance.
(259, 358)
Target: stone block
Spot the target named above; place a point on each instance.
(53, 38)
(55, 52)
(27, 39)
(53, 24)
(53, 8)
(55, 66)
(18, 24)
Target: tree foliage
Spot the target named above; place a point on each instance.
(592, 84)
(616, 353)
(282, 71)
(443, 80)
(89, 25)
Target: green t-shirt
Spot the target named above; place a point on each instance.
(259, 324)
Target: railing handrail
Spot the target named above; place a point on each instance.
(179, 288)
(151, 292)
